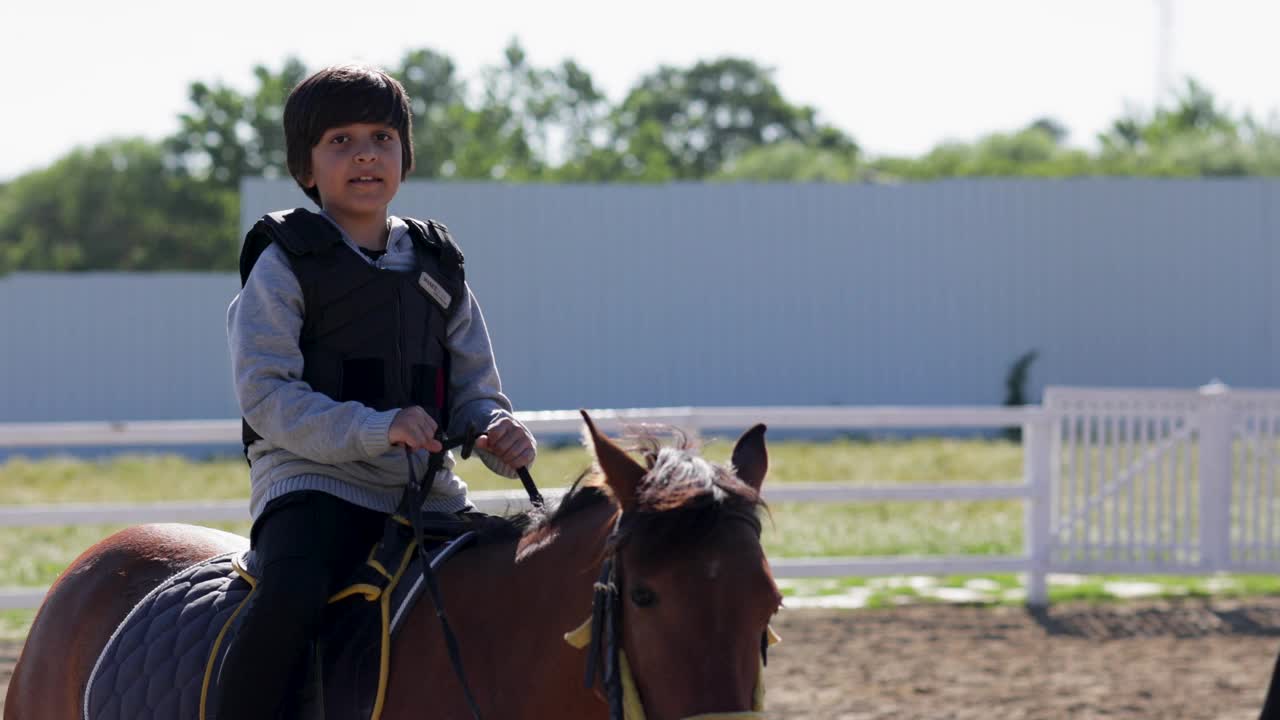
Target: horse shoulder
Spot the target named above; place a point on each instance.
(88, 601)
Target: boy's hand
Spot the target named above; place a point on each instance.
(509, 441)
(413, 428)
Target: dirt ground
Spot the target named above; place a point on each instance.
(1151, 660)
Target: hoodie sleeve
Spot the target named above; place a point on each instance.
(474, 384)
(264, 323)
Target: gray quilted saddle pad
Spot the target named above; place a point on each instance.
(154, 664)
(163, 660)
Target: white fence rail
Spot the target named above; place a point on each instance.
(1171, 481)
(695, 420)
(1133, 481)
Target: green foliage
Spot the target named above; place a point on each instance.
(1191, 137)
(430, 79)
(1035, 151)
(117, 205)
(701, 118)
(793, 161)
(134, 205)
(228, 135)
(15, 624)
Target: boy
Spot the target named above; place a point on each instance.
(354, 333)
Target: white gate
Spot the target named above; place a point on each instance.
(1163, 481)
(1253, 513)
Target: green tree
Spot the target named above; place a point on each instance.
(529, 120)
(116, 206)
(228, 135)
(1035, 151)
(438, 98)
(702, 118)
(793, 161)
(1193, 137)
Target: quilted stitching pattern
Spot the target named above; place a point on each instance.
(154, 666)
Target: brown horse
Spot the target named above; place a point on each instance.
(694, 596)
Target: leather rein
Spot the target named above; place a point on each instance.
(415, 494)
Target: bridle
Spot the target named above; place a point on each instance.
(604, 653)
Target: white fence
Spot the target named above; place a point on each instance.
(1113, 480)
(1164, 481)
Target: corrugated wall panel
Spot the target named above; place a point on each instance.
(743, 294)
(92, 346)
(860, 293)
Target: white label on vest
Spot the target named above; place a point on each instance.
(433, 288)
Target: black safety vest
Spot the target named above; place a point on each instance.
(370, 335)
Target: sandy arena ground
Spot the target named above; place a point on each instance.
(1133, 660)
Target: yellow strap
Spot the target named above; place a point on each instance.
(580, 636)
(369, 592)
(244, 574)
(633, 709)
(217, 642)
(378, 566)
(384, 609)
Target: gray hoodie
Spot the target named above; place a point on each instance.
(312, 442)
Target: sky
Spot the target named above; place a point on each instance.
(898, 75)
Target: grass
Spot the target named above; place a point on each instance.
(33, 557)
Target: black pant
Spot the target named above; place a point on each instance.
(308, 542)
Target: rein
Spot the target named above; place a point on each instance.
(415, 494)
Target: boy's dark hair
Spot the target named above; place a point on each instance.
(343, 95)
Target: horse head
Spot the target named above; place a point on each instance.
(691, 589)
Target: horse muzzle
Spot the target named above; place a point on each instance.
(633, 709)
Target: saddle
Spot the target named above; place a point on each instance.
(165, 658)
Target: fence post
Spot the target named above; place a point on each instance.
(1037, 439)
(1215, 475)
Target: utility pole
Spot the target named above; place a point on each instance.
(1164, 51)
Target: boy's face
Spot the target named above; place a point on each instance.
(356, 169)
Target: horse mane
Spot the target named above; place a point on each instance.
(681, 498)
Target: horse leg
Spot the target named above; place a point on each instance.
(85, 605)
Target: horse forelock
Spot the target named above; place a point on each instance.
(681, 498)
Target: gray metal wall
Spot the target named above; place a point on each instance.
(115, 346)
(749, 294)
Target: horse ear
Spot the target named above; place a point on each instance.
(621, 472)
(750, 458)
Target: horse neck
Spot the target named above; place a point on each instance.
(511, 605)
(567, 561)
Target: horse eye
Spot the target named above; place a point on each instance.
(643, 596)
